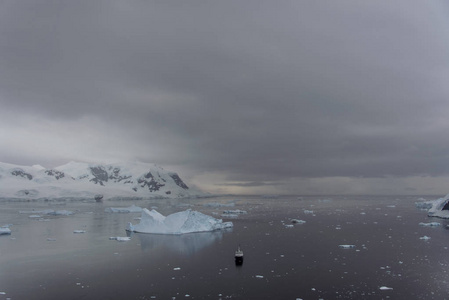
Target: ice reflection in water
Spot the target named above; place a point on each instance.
(184, 244)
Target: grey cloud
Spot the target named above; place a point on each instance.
(260, 91)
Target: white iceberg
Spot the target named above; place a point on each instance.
(437, 208)
(131, 209)
(178, 223)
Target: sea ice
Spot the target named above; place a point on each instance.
(5, 231)
(131, 209)
(120, 238)
(346, 246)
(431, 224)
(236, 212)
(178, 223)
(215, 204)
(49, 212)
(296, 221)
(385, 288)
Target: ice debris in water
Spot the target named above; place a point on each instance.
(50, 212)
(425, 238)
(431, 224)
(120, 238)
(385, 288)
(131, 209)
(178, 223)
(214, 204)
(79, 231)
(346, 246)
(296, 221)
(4, 230)
(235, 212)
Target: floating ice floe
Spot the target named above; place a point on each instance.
(120, 238)
(296, 221)
(426, 238)
(178, 223)
(131, 209)
(215, 204)
(346, 246)
(235, 212)
(431, 224)
(49, 212)
(385, 288)
(5, 231)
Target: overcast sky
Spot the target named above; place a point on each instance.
(302, 97)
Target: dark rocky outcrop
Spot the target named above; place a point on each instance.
(148, 180)
(21, 173)
(100, 175)
(55, 173)
(179, 181)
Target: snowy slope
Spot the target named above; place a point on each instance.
(81, 180)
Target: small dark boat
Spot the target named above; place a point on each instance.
(239, 256)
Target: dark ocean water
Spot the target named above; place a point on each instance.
(44, 259)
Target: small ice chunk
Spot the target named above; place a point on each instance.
(259, 276)
(431, 224)
(131, 209)
(346, 246)
(426, 238)
(177, 269)
(79, 231)
(289, 226)
(215, 204)
(5, 231)
(235, 212)
(296, 221)
(385, 288)
(307, 212)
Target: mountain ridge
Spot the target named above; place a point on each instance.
(78, 179)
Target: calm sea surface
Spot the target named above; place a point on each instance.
(44, 259)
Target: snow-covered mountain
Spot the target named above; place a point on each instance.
(83, 180)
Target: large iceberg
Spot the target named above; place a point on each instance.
(439, 208)
(178, 223)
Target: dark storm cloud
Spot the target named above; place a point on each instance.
(257, 90)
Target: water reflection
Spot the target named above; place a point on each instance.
(184, 244)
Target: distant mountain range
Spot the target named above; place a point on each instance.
(83, 180)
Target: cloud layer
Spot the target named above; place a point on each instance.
(255, 92)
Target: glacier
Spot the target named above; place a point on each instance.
(187, 221)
